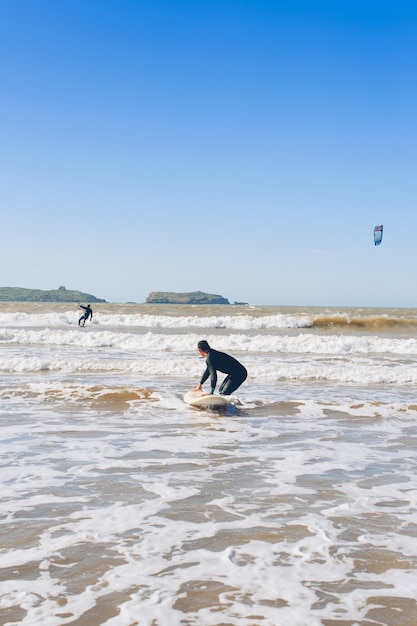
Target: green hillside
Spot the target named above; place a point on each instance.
(193, 297)
(20, 294)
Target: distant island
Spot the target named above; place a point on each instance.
(193, 297)
(62, 294)
(19, 294)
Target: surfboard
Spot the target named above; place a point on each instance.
(203, 400)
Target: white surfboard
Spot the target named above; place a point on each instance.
(205, 400)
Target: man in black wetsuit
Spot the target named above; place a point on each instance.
(88, 314)
(219, 361)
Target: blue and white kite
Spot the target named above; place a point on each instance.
(378, 234)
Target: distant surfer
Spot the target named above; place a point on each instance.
(88, 314)
(222, 362)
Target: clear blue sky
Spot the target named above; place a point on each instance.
(240, 147)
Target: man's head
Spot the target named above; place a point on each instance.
(203, 346)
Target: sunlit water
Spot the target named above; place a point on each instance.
(121, 505)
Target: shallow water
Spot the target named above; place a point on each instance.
(121, 505)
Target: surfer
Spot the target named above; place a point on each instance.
(222, 362)
(86, 315)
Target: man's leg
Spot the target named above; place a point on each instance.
(224, 385)
(231, 383)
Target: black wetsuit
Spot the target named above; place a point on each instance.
(219, 361)
(88, 313)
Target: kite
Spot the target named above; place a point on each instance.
(378, 234)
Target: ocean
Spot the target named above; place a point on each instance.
(123, 506)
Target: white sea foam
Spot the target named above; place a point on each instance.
(305, 342)
(121, 505)
(208, 517)
(303, 357)
(143, 320)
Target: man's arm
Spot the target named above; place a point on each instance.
(213, 372)
(205, 376)
(202, 380)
